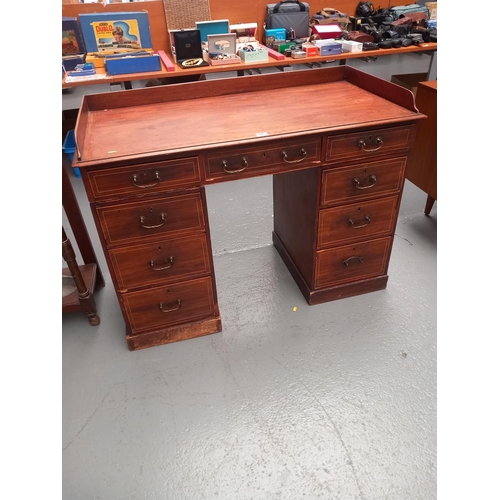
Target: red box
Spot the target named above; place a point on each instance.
(310, 49)
(326, 31)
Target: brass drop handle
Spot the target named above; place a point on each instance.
(378, 141)
(302, 153)
(163, 218)
(152, 263)
(224, 164)
(135, 178)
(166, 309)
(359, 226)
(372, 179)
(354, 257)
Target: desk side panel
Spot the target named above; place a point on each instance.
(295, 197)
(390, 91)
(81, 129)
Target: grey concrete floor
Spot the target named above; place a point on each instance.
(333, 401)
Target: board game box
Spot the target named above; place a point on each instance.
(73, 47)
(116, 32)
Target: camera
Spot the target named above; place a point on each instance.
(365, 9)
(416, 38)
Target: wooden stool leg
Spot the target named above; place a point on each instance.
(428, 205)
(87, 302)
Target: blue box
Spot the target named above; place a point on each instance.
(101, 31)
(212, 28)
(69, 146)
(328, 47)
(140, 62)
(274, 35)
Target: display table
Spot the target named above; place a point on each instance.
(335, 140)
(241, 68)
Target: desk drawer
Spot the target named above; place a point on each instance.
(358, 221)
(352, 262)
(348, 184)
(365, 145)
(140, 221)
(144, 179)
(170, 305)
(162, 261)
(237, 163)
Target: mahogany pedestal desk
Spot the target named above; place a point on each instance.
(335, 140)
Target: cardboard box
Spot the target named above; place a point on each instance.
(245, 32)
(281, 46)
(96, 58)
(328, 47)
(222, 49)
(112, 32)
(212, 28)
(271, 36)
(327, 31)
(310, 49)
(433, 8)
(132, 63)
(259, 54)
(351, 46)
(409, 81)
(73, 46)
(241, 46)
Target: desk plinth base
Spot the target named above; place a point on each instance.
(175, 333)
(332, 293)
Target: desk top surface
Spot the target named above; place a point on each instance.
(316, 101)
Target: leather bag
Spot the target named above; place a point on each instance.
(329, 15)
(289, 14)
(413, 11)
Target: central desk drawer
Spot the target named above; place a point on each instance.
(163, 261)
(352, 262)
(369, 219)
(364, 145)
(349, 184)
(144, 179)
(244, 162)
(139, 221)
(169, 305)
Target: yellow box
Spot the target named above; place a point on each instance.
(97, 59)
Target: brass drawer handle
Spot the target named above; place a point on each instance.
(244, 161)
(378, 141)
(162, 216)
(357, 257)
(358, 226)
(302, 153)
(152, 263)
(135, 178)
(171, 309)
(372, 179)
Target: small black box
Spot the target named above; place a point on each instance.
(188, 51)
